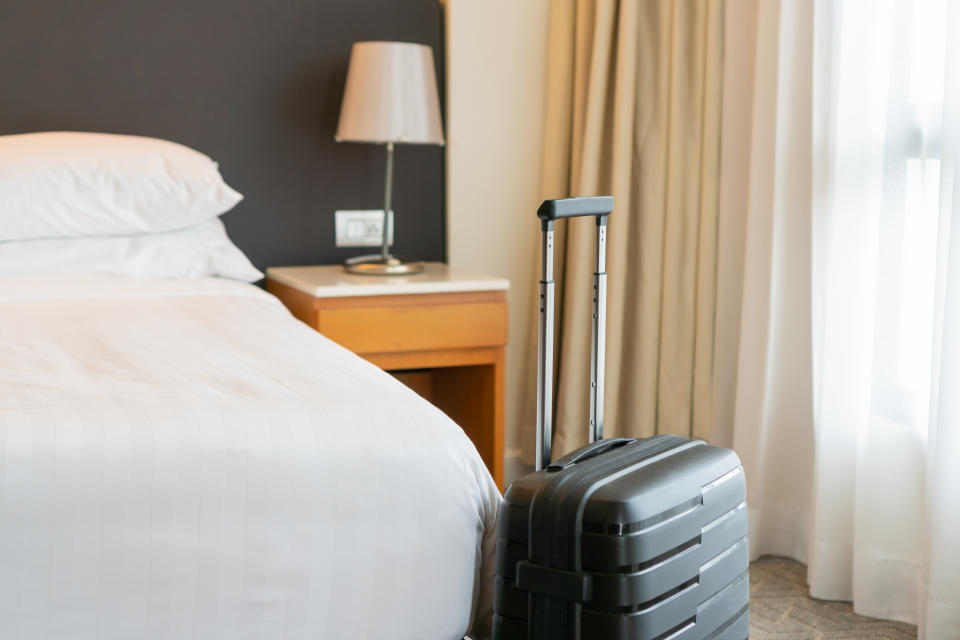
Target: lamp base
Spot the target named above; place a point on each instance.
(377, 265)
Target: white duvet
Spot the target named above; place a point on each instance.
(183, 459)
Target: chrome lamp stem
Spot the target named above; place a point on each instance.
(384, 264)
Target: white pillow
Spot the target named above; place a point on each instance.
(198, 251)
(63, 184)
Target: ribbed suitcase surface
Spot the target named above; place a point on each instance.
(662, 548)
(625, 538)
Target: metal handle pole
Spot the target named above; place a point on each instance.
(597, 350)
(387, 197)
(545, 352)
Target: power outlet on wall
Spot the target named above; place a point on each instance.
(362, 228)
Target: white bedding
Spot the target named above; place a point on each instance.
(183, 459)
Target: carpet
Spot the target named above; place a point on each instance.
(781, 609)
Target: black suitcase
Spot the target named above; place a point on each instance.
(624, 538)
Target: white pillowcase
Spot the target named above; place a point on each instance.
(64, 184)
(198, 251)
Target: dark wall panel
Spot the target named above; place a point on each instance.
(254, 84)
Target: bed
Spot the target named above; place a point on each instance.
(181, 458)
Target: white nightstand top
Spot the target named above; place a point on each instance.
(331, 281)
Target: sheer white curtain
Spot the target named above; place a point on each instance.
(848, 391)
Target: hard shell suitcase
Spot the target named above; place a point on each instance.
(623, 538)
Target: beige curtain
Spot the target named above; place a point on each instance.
(634, 105)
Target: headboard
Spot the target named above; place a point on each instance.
(254, 84)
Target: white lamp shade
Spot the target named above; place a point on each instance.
(391, 95)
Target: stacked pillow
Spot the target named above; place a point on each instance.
(103, 204)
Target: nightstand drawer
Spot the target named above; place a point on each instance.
(415, 323)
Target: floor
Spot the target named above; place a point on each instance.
(780, 609)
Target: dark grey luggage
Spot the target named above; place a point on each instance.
(623, 538)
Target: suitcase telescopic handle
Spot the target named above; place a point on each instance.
(575, 207)
(550, 211)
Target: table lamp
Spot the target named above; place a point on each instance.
(390, 98)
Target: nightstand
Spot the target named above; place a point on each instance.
(443, 333)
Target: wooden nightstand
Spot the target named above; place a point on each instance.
(442, 332)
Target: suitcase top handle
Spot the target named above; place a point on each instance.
(590, 451)
(549, 211)
(600, 206)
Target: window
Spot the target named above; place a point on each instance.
(910, 213)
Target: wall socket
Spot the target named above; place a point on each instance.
(361, 228)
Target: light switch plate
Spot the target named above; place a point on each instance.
(361, 228)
